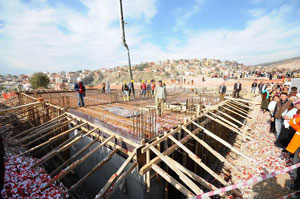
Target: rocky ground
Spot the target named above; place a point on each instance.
(266, 158)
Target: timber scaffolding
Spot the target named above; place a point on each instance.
(192, 157)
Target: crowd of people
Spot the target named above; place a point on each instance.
(283, 104)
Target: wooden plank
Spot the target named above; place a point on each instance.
(224, 120)
(181, 175)
(93, 170)
(229, 127)
(215, 153)
(241, 104)
(193, 175)
(67, 170)
(62, 147)
(239, 111)
(198, 161)
(36, 128)
(221, 140)
(169, 150)
(237, 107)
(230, 117)
(172, 181)
(245, 117)
(73, 157)
(115, 176)
(3, 111)
(120, 180)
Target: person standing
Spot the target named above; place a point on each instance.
(148, 89)
(153, 88)
(260, 86)
(108, 87)
(236, 89)
(131, 88)
(222, 91)
(253, 87)
(80, 88)
(103, 87)
(125, 91)
(143, 89)
(280, 107)
(160, 98)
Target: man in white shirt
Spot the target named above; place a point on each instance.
(160, 94)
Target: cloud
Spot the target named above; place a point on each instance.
(38, 37)
(266, 38)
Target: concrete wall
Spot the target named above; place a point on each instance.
(134, 182)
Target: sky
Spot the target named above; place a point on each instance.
(70, 35)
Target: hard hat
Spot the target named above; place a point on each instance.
(124, 82)
(148, 81)
(79, 79)
(143, 81)
(132, 81)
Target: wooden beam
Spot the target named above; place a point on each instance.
(73, 157)
(241, 104)
(239, 111)
(172, 181)
(120, 180)
(240, 115)
(224, 120)
(237, 107)
(193, 175)
(211, 150)
(230, 117)
(115, 176)
(181, 175)
(93, 170)
(229, 127)
(62, 146)
(221, 140)
(67, 170)
(198, 161)
(4, 111)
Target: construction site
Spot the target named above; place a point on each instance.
(116, 149)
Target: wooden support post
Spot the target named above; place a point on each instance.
(211, 150)
(115, 176)
(172, 181)
(75, 164)
(229, 127)
(221, 141)
(93, 170)
(148, 173)
(182, 176)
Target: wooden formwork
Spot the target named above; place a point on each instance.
(197, 140)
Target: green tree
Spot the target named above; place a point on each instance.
(38, 80)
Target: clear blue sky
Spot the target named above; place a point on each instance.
(55, 35)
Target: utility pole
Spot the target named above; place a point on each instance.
(123, 37)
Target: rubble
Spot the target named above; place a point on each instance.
(23, 181)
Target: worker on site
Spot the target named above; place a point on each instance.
(80, 88)
(108, 87)
(153, 88)
(222, 91)
(143, 89)
(160, 98)
(131, 88)
(148, 89)
(125, 91)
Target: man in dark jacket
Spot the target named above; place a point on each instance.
(222, 91)
(280, 107)
(80, 88)
(253, 87)
(236, 89)
(260, 86)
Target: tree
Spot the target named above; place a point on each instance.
(38, 80)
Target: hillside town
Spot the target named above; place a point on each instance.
(172, 70)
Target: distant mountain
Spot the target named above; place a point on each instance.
(284, 63)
